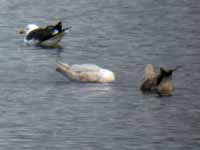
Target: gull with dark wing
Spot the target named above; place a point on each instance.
(48, 36)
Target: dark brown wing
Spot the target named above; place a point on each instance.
(40, 34)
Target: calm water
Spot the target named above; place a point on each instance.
(42, 110)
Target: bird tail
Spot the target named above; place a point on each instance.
(66, 29)
(177, 67)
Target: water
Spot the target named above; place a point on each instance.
(42, 110)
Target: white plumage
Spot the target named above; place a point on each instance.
(86, 73)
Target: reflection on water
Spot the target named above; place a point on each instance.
(41, 109)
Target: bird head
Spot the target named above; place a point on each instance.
(28, 29)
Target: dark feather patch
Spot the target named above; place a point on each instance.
(42, 34)
(39, 34)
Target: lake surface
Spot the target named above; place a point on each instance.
(42, 110)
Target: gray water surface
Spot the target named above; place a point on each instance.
(42, 110)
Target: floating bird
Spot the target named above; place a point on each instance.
(48, 36)
(161, 83)
(86, 73)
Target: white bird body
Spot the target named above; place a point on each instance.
(86, 73)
